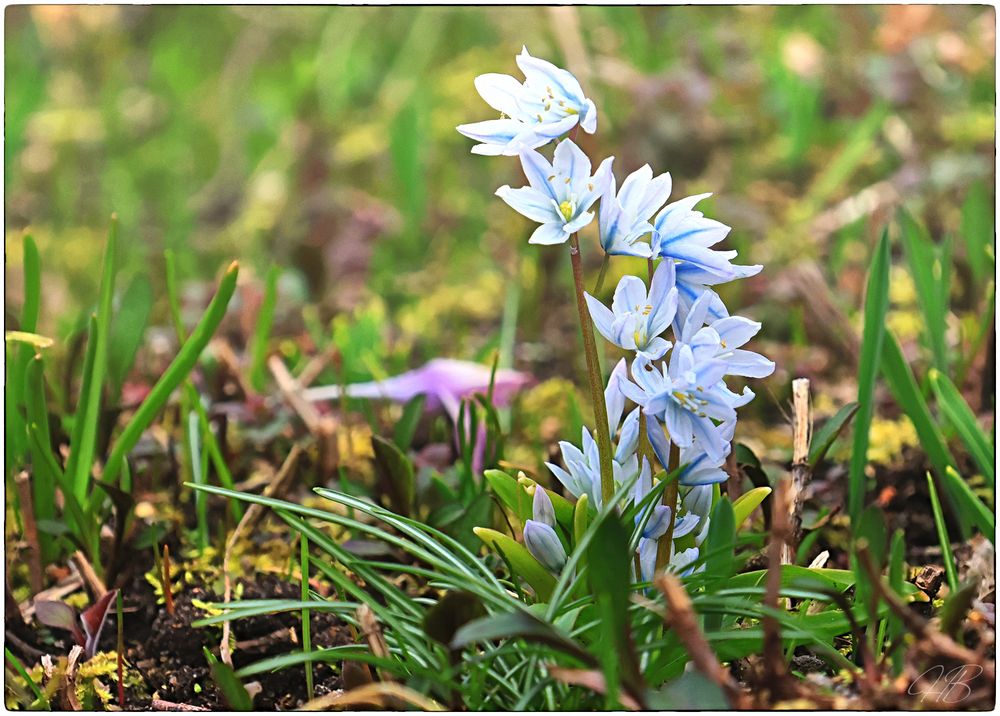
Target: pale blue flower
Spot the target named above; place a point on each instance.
(694, 281)
(558, 195)
(614, 401)
(684, 395)
(549, 103)
(697, 468)
(582, 474)
(723, 338)
(637, 318)
(683, 234)
(539, 533)
(625, 215)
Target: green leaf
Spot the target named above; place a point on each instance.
(519, 624)
(609, 576)
(691, 691)
(964, 421)
(406, 428)
(43, 481)
(178, 369)
(721, 541)
(825, 437)
(233, 690)
(977, 231)
(262, 330)
(89, 410)
(581, 518)
(968, 503)
(897, 582)
(930, 280)
(905, 390)
(747, 503)
(942, 531)
(526, 566)
(876, 305)
(869, 530)
(395, 472)
(511, 493)
(127, 330)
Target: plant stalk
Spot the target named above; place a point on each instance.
(594, 373)
(665, 546)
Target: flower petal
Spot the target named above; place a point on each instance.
(548, 234)
(544, 545)
(529, 202)
(500, 92)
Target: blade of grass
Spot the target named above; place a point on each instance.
(306, 631)
(906, 391)
(14, 395)
(16, 664)
(942, 532)
(198, 461)
(977, 231)
(89, 413)
(178, 369)
(930, 279)
(43, 482)
(127, 329)
(262, 331)
(969, 503)
(85, 375)
(876, 305)
(964, 421)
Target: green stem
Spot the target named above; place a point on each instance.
(594, 373)
(604, 272)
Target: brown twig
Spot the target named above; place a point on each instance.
(291, 391)
(23, 483)
(682, 619)
(801, 434)
(90, 578)
(251, 518)
(774, 657)
(161, 705)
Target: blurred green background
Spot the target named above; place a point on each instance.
(321, 141)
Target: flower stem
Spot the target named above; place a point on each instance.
(604, 272)
(594, 373)
(666, 544)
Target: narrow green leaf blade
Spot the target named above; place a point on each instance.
(964, 421)
(876, 305)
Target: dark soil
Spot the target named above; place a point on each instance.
(173, 664)
(168, 652)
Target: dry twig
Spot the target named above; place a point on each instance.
(774, 657)
(801, 434)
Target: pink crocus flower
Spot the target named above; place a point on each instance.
(445, 382)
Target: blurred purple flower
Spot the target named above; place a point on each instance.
(445, 382)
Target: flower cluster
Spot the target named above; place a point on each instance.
(678, 383)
